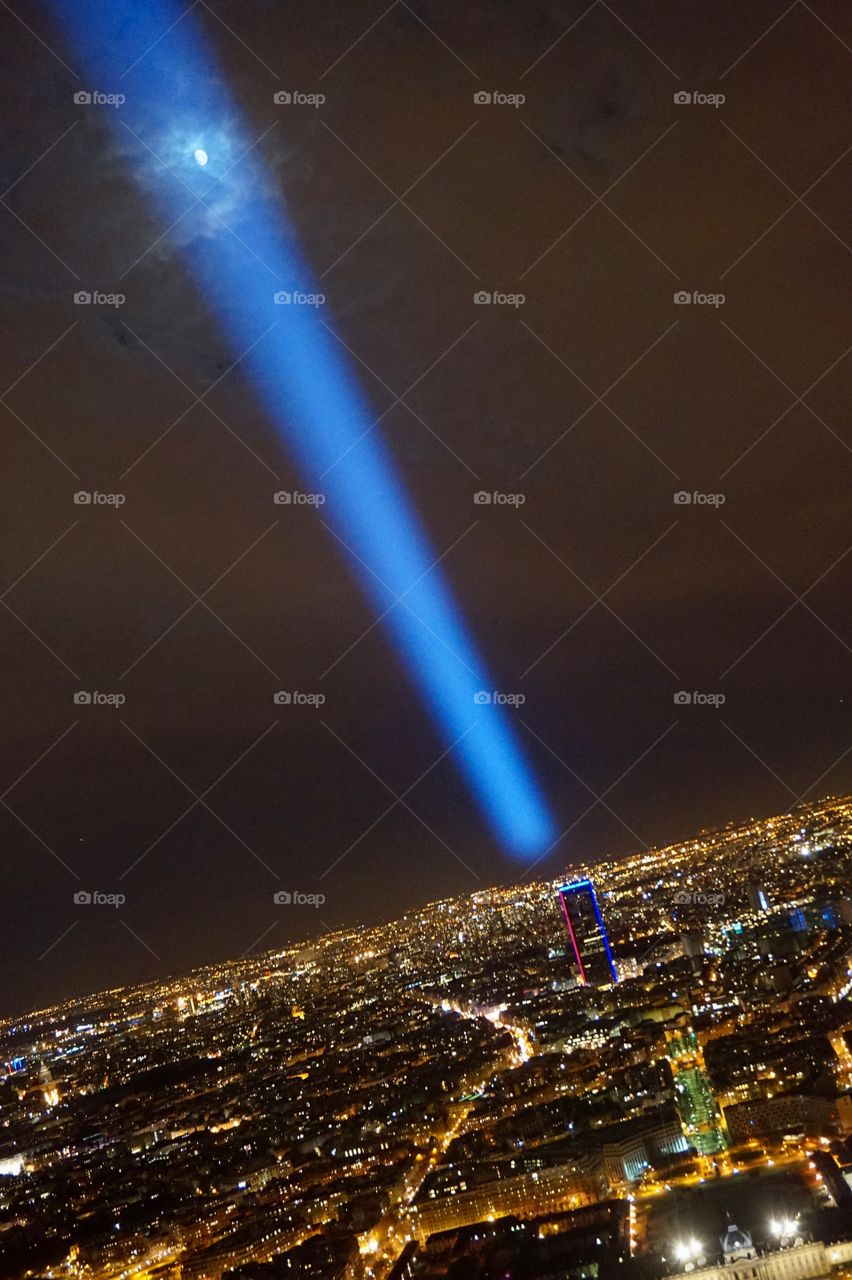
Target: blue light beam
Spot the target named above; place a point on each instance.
(196, 162)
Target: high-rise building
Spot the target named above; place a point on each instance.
(757, 898)
(595, 967)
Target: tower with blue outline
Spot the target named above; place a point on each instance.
(586, 929)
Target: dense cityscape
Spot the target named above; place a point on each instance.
(426, 493)
(642, 1070)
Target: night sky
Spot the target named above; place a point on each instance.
(597, 399)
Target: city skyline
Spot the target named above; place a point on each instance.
(622, 868)
(630, 462)
(384, 1103)
(425, 639)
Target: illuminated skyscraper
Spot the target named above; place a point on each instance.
(586, 930)
(757, 899)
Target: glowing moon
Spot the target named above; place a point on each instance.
(200, 157)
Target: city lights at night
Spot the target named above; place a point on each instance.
(426, 754)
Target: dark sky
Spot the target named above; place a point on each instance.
(599, 599)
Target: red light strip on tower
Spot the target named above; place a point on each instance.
(574, 942)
